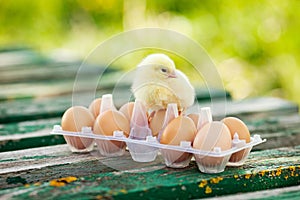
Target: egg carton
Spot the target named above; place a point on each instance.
(175, 156)
(144, 147)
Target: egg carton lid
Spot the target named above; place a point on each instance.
(185, 146)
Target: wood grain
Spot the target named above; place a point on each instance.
(265, 169)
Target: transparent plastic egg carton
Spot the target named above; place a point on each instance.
(175, 156)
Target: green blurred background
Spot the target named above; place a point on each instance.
(255, 44)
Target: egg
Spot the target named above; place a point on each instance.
(236, 125)
(195, 117)
(156, 121)
(110, 121)
(73, 120)
(106, 124)
(211, 135)
(179, 129)
(95, 106)
(127, 110)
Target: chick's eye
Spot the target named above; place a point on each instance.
(163, 70)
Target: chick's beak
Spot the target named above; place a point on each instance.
(172, 75)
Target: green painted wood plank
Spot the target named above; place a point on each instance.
(50, 106)
(258, 107)
(291, 193)
(55, 106)
(35, 72)
(26, 65)
(29, 134)
(30, 126)
(52, 85)
(286, 193)
(31, 109)
(13, 57)
(30, 140)
(280, 131)
(266, 169)
(27, 166)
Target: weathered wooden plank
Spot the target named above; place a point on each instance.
(29, 140)
(263, 170)
(25, 65)
(53, 107)
(286, 193)
(15, 57)
(28, 134)
(280, 131)
(31, 109)
(27, 166)
(23, 127)
(40, 86)
(41, 108)
(259, 107)
(35, 72)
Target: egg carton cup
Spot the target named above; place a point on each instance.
(238, 158)
(146, 150)
(176, 159)
(79, 145)
(110, 148)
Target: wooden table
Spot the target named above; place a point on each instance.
(37, 165)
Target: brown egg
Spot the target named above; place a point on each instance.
(156, 121)
(73, 120)
(127, 109)
(211, 135)
(236, 125)
(106, 124)
(179, 129)
(195, 118)
(110, 121)
(95, 107)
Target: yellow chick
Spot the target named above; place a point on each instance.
(157, 83)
